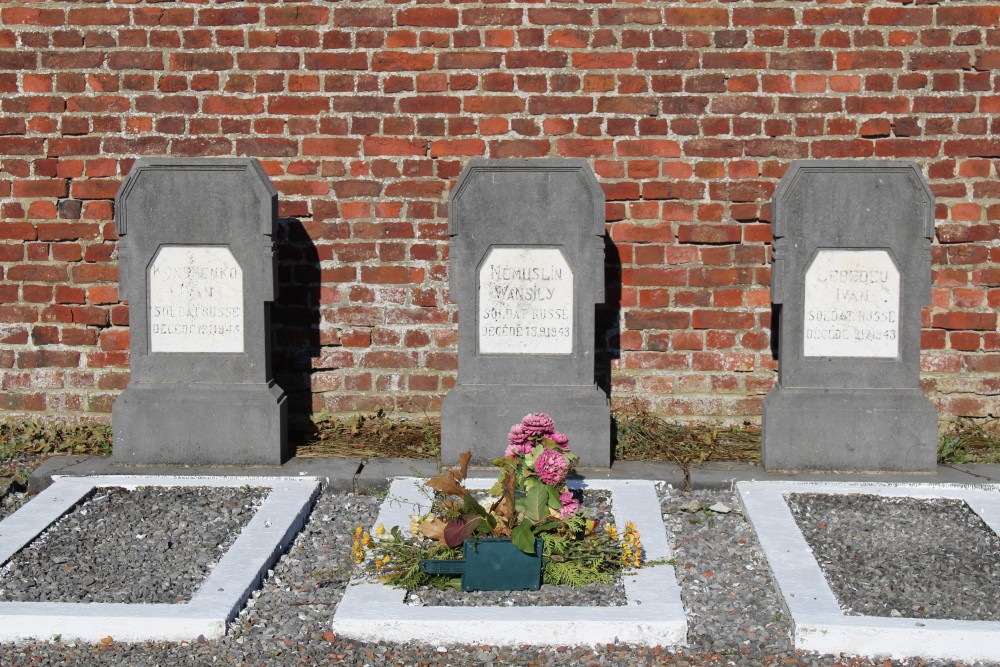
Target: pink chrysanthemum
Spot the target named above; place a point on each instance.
(518, 450)
(517, 435)
(551, 467)
(538, 423)
(561, 440)
(569, 505)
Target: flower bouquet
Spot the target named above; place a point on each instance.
(530, 505)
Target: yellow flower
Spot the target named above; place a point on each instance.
(379, 530)
(631, 546)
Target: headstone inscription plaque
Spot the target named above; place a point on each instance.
(851, 270)
(196, 264)
(526, 268)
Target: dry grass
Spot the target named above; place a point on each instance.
(374, 435)
(643, 436)
(968, 440)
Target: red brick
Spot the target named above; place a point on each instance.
(195, 61)
(695, 17)
(899, 16)
(297, 105)
(229, 16)
(492, 16)
(722, 319)
(428, 17)
(985, 16)
(456, 147)
(362, 17)
(31, 16)
(265, 61)
(965, 320)
(759, 16)
(469, 60)
(98, 16)
(297, 14)
(638, 320)
(802, 60)
(585, 147)
(667, 60)
(40, 188)
(559, 17)
(401, 61)
(394, 146)
(709, 234)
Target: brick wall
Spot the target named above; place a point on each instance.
(364, 113)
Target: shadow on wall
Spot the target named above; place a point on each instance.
(607, 322)
(295, 318)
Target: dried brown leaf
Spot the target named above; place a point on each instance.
(446, 484)
(433, 529)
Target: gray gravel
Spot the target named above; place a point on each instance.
(903, 556)
(135, 546)
(11, 502)
(734, 614)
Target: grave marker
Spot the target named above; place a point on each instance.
(196, 264)
(851, 270)
(527, 268)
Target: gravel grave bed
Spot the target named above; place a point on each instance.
(11, 502)
(734, 614)
(596, 505)
(148, 545)
(918, 558)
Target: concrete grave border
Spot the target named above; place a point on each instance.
(818, 622)
(653, 614)
(219, 598)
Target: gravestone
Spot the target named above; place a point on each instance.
(526, 268)
(196, 264)
(851, 270)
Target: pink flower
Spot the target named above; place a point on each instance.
(561, 440)
(551, 467)
(517, 435)
(569, 505)
(538, 423)
(518, 450)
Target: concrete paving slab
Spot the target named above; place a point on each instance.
(219, 598)
(348, 474)
(337, 473)
(818, 622)
(653, 614)
(377, 473)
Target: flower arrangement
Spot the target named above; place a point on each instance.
(530, 500)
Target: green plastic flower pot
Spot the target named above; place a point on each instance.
(492, 564)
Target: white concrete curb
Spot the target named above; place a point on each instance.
(652, 616)
(819, 623)
(218, 600)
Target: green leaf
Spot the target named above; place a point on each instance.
(548, 525)
(536, 503)
(554, 501)
(523, 538)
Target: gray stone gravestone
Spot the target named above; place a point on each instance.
(526, 268)
(851, 269)
(196, 264)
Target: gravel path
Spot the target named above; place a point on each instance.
(735, 616)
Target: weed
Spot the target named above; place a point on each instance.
(643, 436)
(969, 440)
(374, 435)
